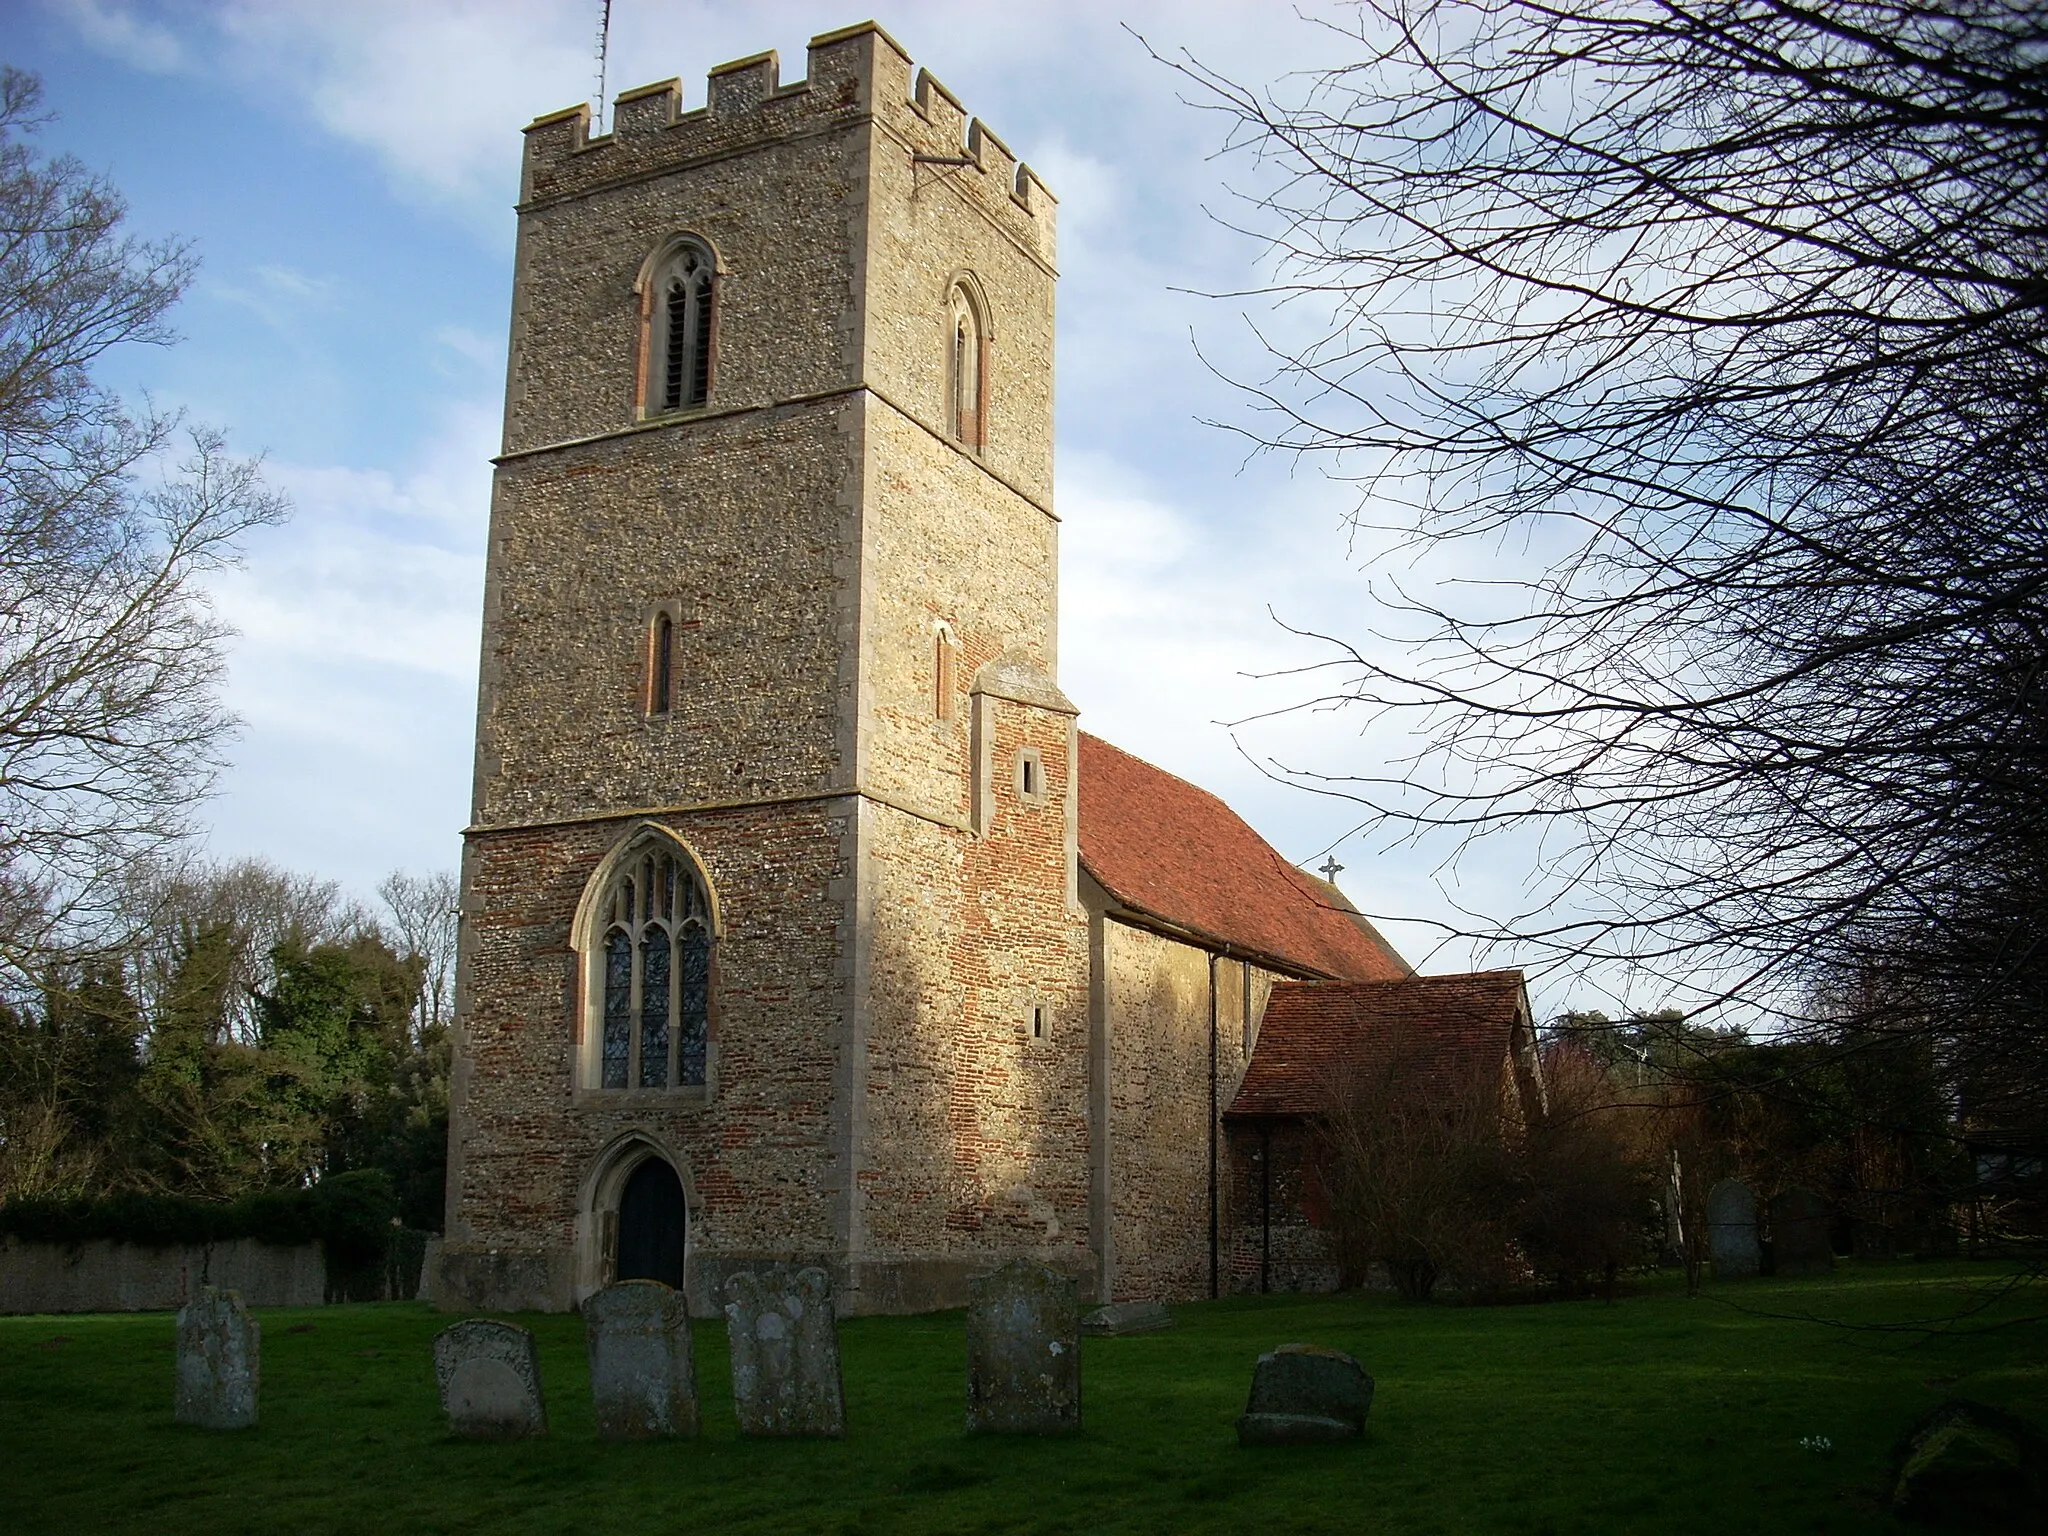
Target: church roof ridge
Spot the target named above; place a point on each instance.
(1176, 852)
(1447, 1030)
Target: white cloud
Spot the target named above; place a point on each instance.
(471, 346)
(118, 31)
(280, 297)
(355, 666)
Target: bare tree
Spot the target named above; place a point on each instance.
(256, 909)
(110, 520)
(1714, 334)
(1422, 1171)
(423, 923)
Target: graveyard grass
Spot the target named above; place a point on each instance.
(1654, 1413)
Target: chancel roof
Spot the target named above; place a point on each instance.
(1448, 1031)
(1163, 848)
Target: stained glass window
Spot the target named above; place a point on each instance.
(654, 967)
(696, 1003)
(656, 1023)
(618, 1007)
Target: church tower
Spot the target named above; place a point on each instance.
(772, 947)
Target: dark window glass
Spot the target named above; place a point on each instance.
(654, 959)
(618, 1007)
(662, 692)
(700, 338)
(696, 1000)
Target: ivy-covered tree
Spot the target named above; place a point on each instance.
(336, 1031)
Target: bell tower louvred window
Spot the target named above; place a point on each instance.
(681, 328)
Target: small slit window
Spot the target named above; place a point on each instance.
(966, 369)
(681, 309)
(944, 648)
(661, 665)
(1035, 1022)
(1030, 777)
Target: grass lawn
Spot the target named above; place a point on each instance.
(1654, 1414)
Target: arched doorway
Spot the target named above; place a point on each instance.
(651, 1222)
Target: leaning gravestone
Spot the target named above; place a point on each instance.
(1121, 1317)
(1023, 1352)
(785, 1354)
(1801, 1243)
(642, 1380)
(220, 1361)
(489, 1375)
(1731, 1231)
(1303, 1394)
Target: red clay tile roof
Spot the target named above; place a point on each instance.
(1160, 846)
(1315, 1033)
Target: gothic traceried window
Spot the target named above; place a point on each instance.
(966, 368)
(656, 929)
(680, 328)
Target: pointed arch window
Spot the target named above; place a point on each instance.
(651, 973)
(966, 368)
(681, 310)
(945, 647)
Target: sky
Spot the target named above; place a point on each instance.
(346, 174)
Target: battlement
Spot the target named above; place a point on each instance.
(855, 75)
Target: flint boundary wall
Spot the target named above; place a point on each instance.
(101, 1276)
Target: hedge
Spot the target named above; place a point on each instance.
(352, 1213)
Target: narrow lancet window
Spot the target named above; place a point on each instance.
(966, 383)
(942, 673)
(661, 664)
(653, 1032)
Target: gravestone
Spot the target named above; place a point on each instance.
(220, 1361)
(1731, 1231)
(1964, 1464)
(1303, 1394)
(642, 1379)
(785, 1354)
(489, 1374)
(1801, 1243)
(1121, 1317)
(1023, 1352)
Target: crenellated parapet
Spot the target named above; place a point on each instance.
(853, 76)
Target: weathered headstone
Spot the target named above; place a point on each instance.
(1121, 1317)
(642, 1380)
(785, 1354)
(489, 1375)
(1023, 1352)
(220, 1361)
(1801, 1240)
(1964, 1464)
(1731, 1230)
(1303, 1394)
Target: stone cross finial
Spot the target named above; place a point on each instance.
(1329, 869)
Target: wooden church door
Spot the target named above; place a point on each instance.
(651, 1219)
